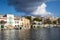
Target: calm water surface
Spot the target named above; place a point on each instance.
(38, 34)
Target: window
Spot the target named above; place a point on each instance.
(10, 22)
(34, 26)
(34, 23)
(10, 18)
(21, 25)
(38, 23)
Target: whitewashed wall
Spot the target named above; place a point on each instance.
(10, 20)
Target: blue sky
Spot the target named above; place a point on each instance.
(6, 9)
(52, 6)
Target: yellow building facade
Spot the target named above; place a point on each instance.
(24, 23)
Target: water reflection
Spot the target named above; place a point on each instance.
(46, 34)
(32, 34)
(7, 34)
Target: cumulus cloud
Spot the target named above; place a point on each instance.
(41, 10)
(35, 7)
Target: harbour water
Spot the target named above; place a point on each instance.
(31, 34)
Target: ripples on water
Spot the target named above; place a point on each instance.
(32, 34)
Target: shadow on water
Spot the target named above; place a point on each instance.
(31, 34)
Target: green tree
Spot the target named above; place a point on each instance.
(37, 19)
(58, 20)
(28, 17)
(55, 22)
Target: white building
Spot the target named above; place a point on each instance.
(37, 24)
(8, 19)
(3, 20)
(16, 19)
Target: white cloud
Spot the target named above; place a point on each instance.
(41, 10)
(50, 0)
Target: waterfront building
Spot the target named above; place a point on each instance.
(52, 18)
(7, 21)
(10, 21)
(3, 21)
(16, 19)
(1, 16)
(24, 23)
(37, 24)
